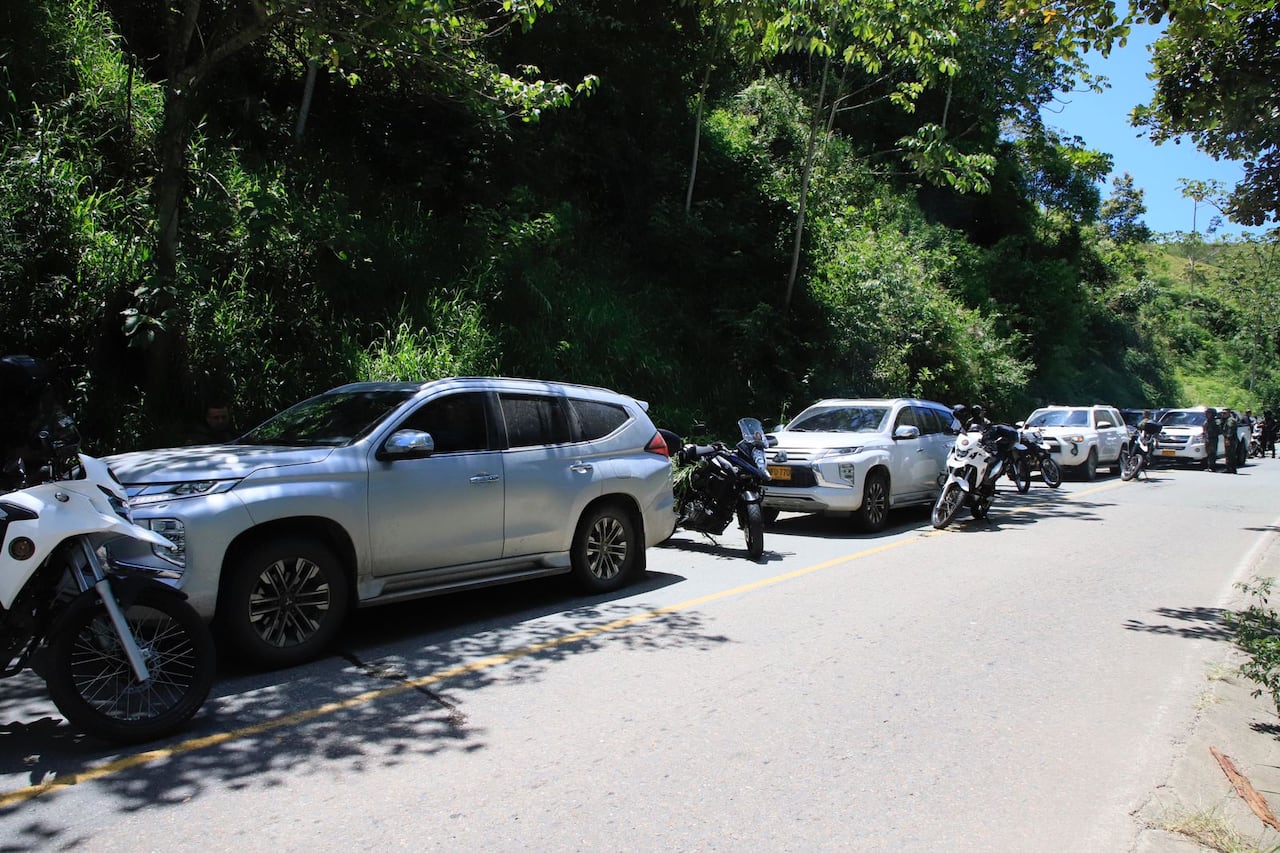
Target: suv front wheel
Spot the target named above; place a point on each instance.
(283, 602)
(605, 549)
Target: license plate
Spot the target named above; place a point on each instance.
(1168, 453)
(780, 472)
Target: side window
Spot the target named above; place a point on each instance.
(927, 421)
(596, 420)
(457, 423)
(534, 420)
(950, 424)
(906, 417)
(1103, 419)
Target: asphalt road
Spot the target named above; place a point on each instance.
(1024, 682)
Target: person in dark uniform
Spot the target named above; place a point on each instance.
(1268, 433)
(1210, 438)
(1230, 440)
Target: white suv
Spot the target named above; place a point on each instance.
(1082, 438)
(1182, 438)
(860, 456)
(379, 492)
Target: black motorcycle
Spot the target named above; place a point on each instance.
(1145, 442)
(1030, 455)
(716, 483)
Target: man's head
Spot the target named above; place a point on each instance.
(218, 416)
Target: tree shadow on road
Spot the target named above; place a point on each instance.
(1193, 623)
(396, 690)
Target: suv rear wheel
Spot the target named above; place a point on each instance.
(605, 549)
(283, 601)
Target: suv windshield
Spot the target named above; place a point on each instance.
(841, 419)
(329, 420)
(1182, 419)
(1059, 417)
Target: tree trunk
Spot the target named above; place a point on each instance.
(307, 90)
(805, 174)
(169, 188)
(697, 140)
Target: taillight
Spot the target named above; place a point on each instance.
(658, 445)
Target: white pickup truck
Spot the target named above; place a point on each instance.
(1182, 438)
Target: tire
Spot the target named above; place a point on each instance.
(1020, 473)
(284, 602)
(1051, 472)
(1089, 467)
(606, 550)
(751, 520)
(873, 515)
(94, 687)
(1132, 466)
(980, 507)
(947, 505)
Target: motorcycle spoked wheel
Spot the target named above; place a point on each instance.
(1020, 473)
(1051, 472)
(947, 505)
(1133, 465)
(751, 520)
(94, 687)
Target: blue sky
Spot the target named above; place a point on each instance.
(1102, 121)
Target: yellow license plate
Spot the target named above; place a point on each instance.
(779, 472)
(1168, 453)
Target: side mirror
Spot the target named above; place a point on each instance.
(408, 444)
(1020, 424)
(771, 441)
(904, 433)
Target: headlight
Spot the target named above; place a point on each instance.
(842, 451)
(173, 530)
(175, 491)
(1075, 439)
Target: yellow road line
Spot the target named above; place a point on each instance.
(22, 795)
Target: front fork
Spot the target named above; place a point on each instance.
(102, 586)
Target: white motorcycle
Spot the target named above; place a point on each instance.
(124, 656)
(975, 464)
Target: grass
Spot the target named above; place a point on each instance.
(1211, 831)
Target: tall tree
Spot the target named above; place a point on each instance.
(1217, 81)
(444, 39)
(1122, 213)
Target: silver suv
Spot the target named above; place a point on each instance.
(378, 492)
(1083, 438)
(860, 456)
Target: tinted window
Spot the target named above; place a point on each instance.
(330, 419)
(1059, 417)
(1104, 418)
(457, 423)
(1182, 418)
(841, 419)
(596, 420)
(533, 420)
(930, 422)
(906, 417)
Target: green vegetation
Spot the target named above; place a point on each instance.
(383, 189)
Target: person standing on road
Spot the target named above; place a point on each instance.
(1268, 433)
(1210, 438)
(1230, 440)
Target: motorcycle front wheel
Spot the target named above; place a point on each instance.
(1020, 473)
(93, 685)
(947, 505)
(751, 519)
(1133, 464)
(1051, 472)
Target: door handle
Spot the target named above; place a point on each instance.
(580, 468)
(485, 478)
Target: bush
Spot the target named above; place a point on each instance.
(1257, 633)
